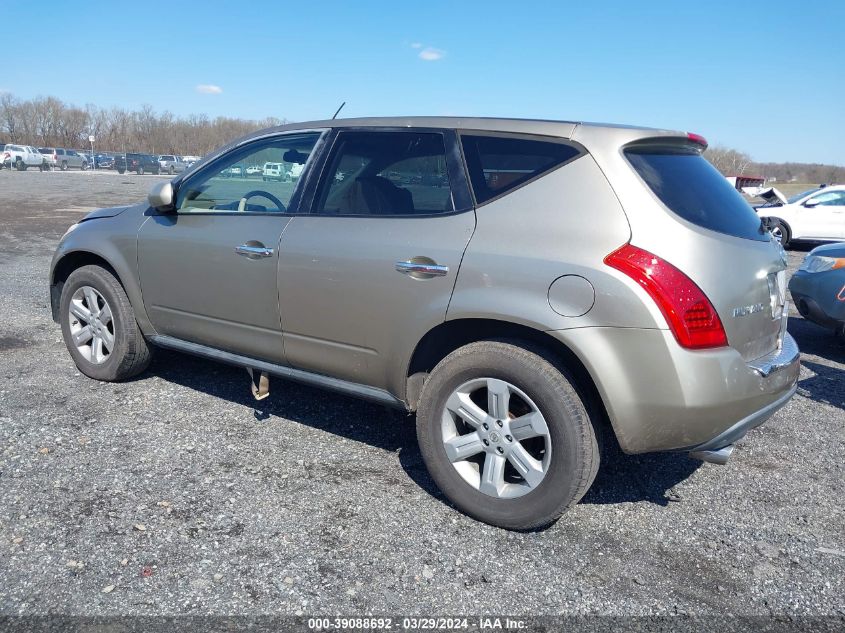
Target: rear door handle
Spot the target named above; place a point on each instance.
(253, 251)
(422, 270)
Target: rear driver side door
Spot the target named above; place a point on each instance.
(371, 269)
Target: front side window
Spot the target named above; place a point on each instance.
(498, 164)
(829, 199)
(387, 174)
(234, 183)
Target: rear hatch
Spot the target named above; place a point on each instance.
(733, 260)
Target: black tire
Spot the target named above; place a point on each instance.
(141, 170)
(130, 354)
(171, 171)
(84, 166)
(64, 165)
(574, 455)
(121, 171)
(20, 165)
(780, 231)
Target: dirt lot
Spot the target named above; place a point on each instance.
(175, 493)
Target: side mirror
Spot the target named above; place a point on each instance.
(811, 203)
(161, 196)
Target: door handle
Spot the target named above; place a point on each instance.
(253, 251)
(422, 270)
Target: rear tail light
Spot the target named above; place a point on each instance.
(689, 313)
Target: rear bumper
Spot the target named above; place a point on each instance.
(661, 397)
(736, 432)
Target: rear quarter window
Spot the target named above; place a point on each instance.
(693, 189)
(499, 164)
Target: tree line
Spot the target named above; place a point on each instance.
(733, 162)
(49, 122)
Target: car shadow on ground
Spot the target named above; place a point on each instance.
(816, 340)
(621, 479)
(828, 383)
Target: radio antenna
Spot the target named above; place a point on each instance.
(339, 109)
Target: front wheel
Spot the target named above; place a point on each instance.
(781, 233)
(505, 435)
(84, 166)
(64, 165)
(140, 171)
(99, 327)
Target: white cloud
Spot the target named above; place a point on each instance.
(430, 54)
(416, 45)
(209, 89)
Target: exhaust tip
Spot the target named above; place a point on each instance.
(719, 456)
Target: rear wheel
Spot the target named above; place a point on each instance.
(121, 171)
(20, 165)
(99, 327)
(171, 171)
(505, 435)
(141, 170)
(84, 166)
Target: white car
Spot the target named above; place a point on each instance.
(814, 215)
(22, 156)
(254, 170)
(275, 171)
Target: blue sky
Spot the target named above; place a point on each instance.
(764, 77)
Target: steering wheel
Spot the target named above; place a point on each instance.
(262, 194)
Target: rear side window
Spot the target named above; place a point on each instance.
(693, 189)
(386, 173)
(498, 164)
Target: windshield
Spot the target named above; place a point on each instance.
(798, 196)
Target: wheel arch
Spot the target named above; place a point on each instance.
(448, 336)
(70, 262)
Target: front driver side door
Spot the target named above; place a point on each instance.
(208, 270)
(825, 220)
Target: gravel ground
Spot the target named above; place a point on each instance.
(176, 493)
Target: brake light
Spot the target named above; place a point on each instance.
(689, 313)
(697, 139)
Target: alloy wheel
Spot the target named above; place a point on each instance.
(91, 325)
(496, 438)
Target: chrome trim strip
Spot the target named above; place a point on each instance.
(777, 360)
(357, 390)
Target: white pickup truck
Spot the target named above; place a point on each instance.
(21, 157)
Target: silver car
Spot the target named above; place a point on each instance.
(520, 285)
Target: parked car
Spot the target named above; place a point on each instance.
(814, 215)
(21, 157)
(64, 159)
(254, 170)
(104, 161)
(818, 287)
(275, 171)
(139, 163)
(172, 164)
(570, 277)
